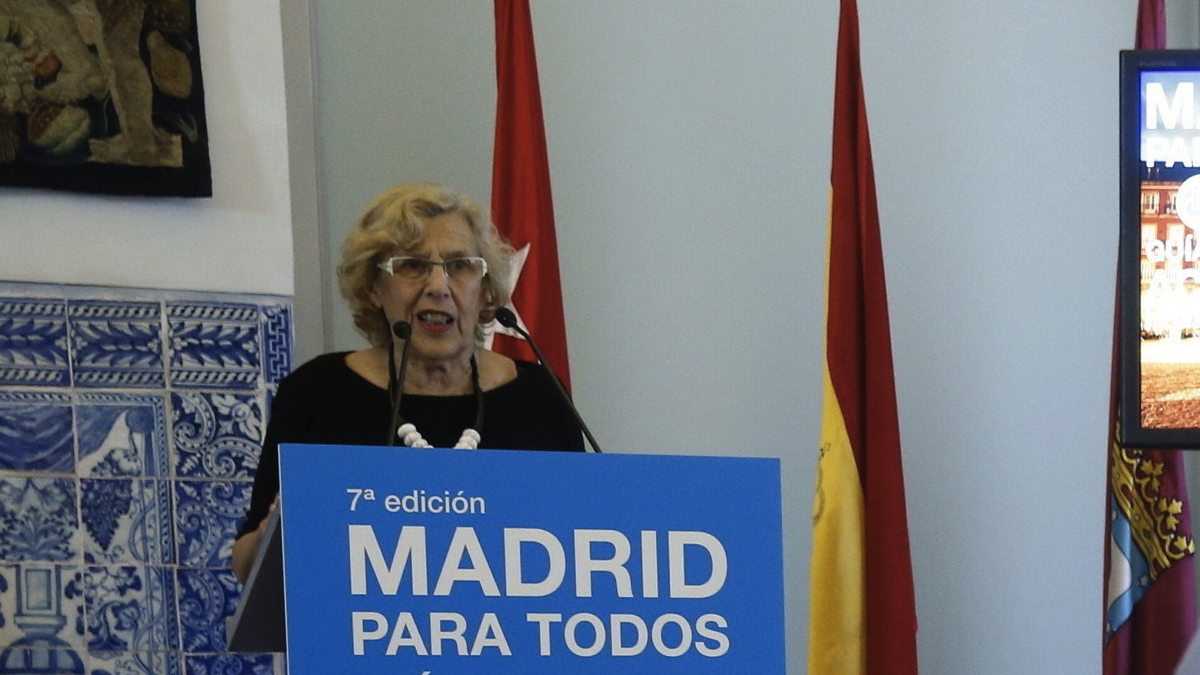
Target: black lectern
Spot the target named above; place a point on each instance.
(258, 625)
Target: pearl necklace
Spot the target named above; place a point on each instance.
(407, 431)
(413, 439)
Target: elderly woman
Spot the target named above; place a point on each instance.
(423, 255)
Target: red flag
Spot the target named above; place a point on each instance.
(862, 613)
(522, 208)
(1151, 25)
(1149, 601)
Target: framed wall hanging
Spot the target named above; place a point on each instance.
(1159, 249)
(102, 96)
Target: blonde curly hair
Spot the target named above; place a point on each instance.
(395, 220)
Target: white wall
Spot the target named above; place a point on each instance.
(1183, 24)
(238, 241)
(997, 158)
(689, 148)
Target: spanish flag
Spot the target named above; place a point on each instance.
(862, 614)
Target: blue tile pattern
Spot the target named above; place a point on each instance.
(36, 432)
(230, 664)
(215, 344)
(130, 423)
(277, 345)
(127, 521)
(129, 608)
(33, 342)
(45, 620)
(217, 434)
(122, 434)
(207, 515)
(38, 520)
(206, 599)
(116, 344)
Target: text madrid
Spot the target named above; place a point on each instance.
(1170, 112)
(466, 563)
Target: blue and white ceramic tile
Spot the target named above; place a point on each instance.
(41, 609)
(206, 599)
(163, 610)
(207, 517)
(127, 521)
(215, 345)
(38, 520)
(128, 608)
(33, 342)
(122, 434)
(21, 658)
(134, 663)
(230, 664)
(130, 421)
(36, 432)
(217, 434)
(116, 343)
(277, 342)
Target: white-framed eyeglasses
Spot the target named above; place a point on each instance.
(461, 270)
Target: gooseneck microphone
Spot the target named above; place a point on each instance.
(403, 331)
(508, 319)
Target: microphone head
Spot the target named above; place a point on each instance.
(402, 330)
(506, 317)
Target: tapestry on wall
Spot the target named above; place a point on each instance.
(102, 96)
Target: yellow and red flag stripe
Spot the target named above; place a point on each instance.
(862, 616)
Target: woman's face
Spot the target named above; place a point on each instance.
(443, 311)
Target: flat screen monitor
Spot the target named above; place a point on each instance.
(1159, 306)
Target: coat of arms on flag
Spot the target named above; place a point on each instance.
(1148, 534)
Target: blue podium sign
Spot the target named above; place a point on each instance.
(442, 562)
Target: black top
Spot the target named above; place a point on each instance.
(325, 402)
